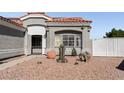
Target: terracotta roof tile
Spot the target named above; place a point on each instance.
(18, 22)
(71, 19)
(11, 21)
(60, 19)
(39, 13)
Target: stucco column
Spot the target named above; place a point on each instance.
(27, 44)
(85, 38)
(43, 44)
(87, 44)
(52, 39)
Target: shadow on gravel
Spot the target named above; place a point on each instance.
(2, 62)
(121, 66)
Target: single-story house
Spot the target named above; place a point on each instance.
(37, 32)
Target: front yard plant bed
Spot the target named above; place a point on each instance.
(103, 68)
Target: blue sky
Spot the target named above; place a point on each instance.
(102, 21)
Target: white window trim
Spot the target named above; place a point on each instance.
(75, 41)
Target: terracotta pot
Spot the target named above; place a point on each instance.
(51, 54)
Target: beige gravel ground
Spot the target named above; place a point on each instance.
(98, 68)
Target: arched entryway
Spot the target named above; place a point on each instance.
(70, 39)
(36, 44)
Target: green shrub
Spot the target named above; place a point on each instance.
(84, 56)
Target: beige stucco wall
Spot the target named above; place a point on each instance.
(52, 27)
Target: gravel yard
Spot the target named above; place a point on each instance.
(98, 68)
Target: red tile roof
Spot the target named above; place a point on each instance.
(71, 19)
(11, 21)
(40, 13)
(60, 19)
(18, 22)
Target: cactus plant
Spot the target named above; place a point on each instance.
(62, 58)
(74, 52)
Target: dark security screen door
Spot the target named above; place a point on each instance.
(36, 42)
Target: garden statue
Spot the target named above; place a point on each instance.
(62, 58)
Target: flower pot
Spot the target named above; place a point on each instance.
(51, 54)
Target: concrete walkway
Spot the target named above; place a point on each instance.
(16, 61)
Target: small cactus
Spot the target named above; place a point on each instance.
(74, 52)
(84, 56)
(62, 58)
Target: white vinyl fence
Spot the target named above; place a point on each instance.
(108, 47)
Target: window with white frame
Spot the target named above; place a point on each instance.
(69, 40)
(78, 40)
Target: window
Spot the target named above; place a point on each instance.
(69, 40)
(78, 41)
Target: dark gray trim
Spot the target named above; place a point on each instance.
(11, 32)
(6, 24)
(62, 26)
(36, 25)
(68, 31)
(34, 18)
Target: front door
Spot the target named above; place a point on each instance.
(36, 44)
